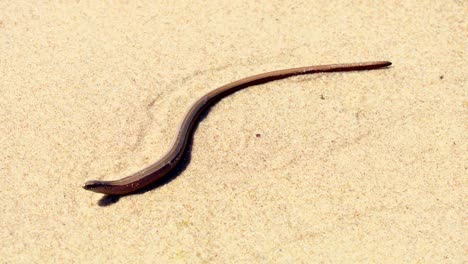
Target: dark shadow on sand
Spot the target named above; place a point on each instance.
(183, 163)
(107, 200)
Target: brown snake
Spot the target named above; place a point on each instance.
(163, 166)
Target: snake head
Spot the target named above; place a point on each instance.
(95, 186)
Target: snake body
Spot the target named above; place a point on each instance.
(164, 165)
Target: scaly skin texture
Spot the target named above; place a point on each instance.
(163, 166)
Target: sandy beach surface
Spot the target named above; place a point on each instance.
(356, 167)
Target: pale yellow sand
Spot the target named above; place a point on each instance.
(348, 167)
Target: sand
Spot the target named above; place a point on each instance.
(339, 167)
